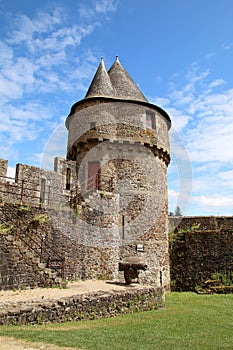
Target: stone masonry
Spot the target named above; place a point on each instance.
(199, 248)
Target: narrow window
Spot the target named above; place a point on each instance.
(93, 126)
(150, 120)
(42, 190)
(123, 227)
(68, 178)
(161, 278)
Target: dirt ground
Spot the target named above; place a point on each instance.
(7, 343)
(73, 288)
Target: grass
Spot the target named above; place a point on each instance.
(190, 321)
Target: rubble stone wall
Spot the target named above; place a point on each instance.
(88, 306)
(90, 249)
(199, 247)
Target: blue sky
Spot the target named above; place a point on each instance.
(180, 54)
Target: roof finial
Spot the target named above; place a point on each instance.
(117, 58)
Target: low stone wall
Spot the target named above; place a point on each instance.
(82, 307)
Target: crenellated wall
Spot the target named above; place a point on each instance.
(39, 187)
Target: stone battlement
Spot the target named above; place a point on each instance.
(38, 187)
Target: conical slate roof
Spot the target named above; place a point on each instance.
(123, 84)
(101, 84)
(114, 83)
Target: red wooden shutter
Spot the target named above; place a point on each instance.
(93, 169)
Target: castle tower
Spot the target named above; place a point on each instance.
(120, 144)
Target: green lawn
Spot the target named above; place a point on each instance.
(190, 321)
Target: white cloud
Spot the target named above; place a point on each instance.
(61, 38)
(6, 54)
(173, 194)
(25, 29)
(214, 201)
(100, 7)
(228, 46)
(160, 101)
(21, 73)
(179, 118)
(9, 90)
(202, 110)
(226, 175)
(35, 48)
(104, 6)
(86, 11)
(216, 83)
(36, 73)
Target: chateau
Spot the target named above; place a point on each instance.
(102, 212)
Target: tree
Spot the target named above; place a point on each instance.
(178, 211)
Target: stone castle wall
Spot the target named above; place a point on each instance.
(199, 248)
(87, 240)
(30, 236)
(28, 239)
(38, 187)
